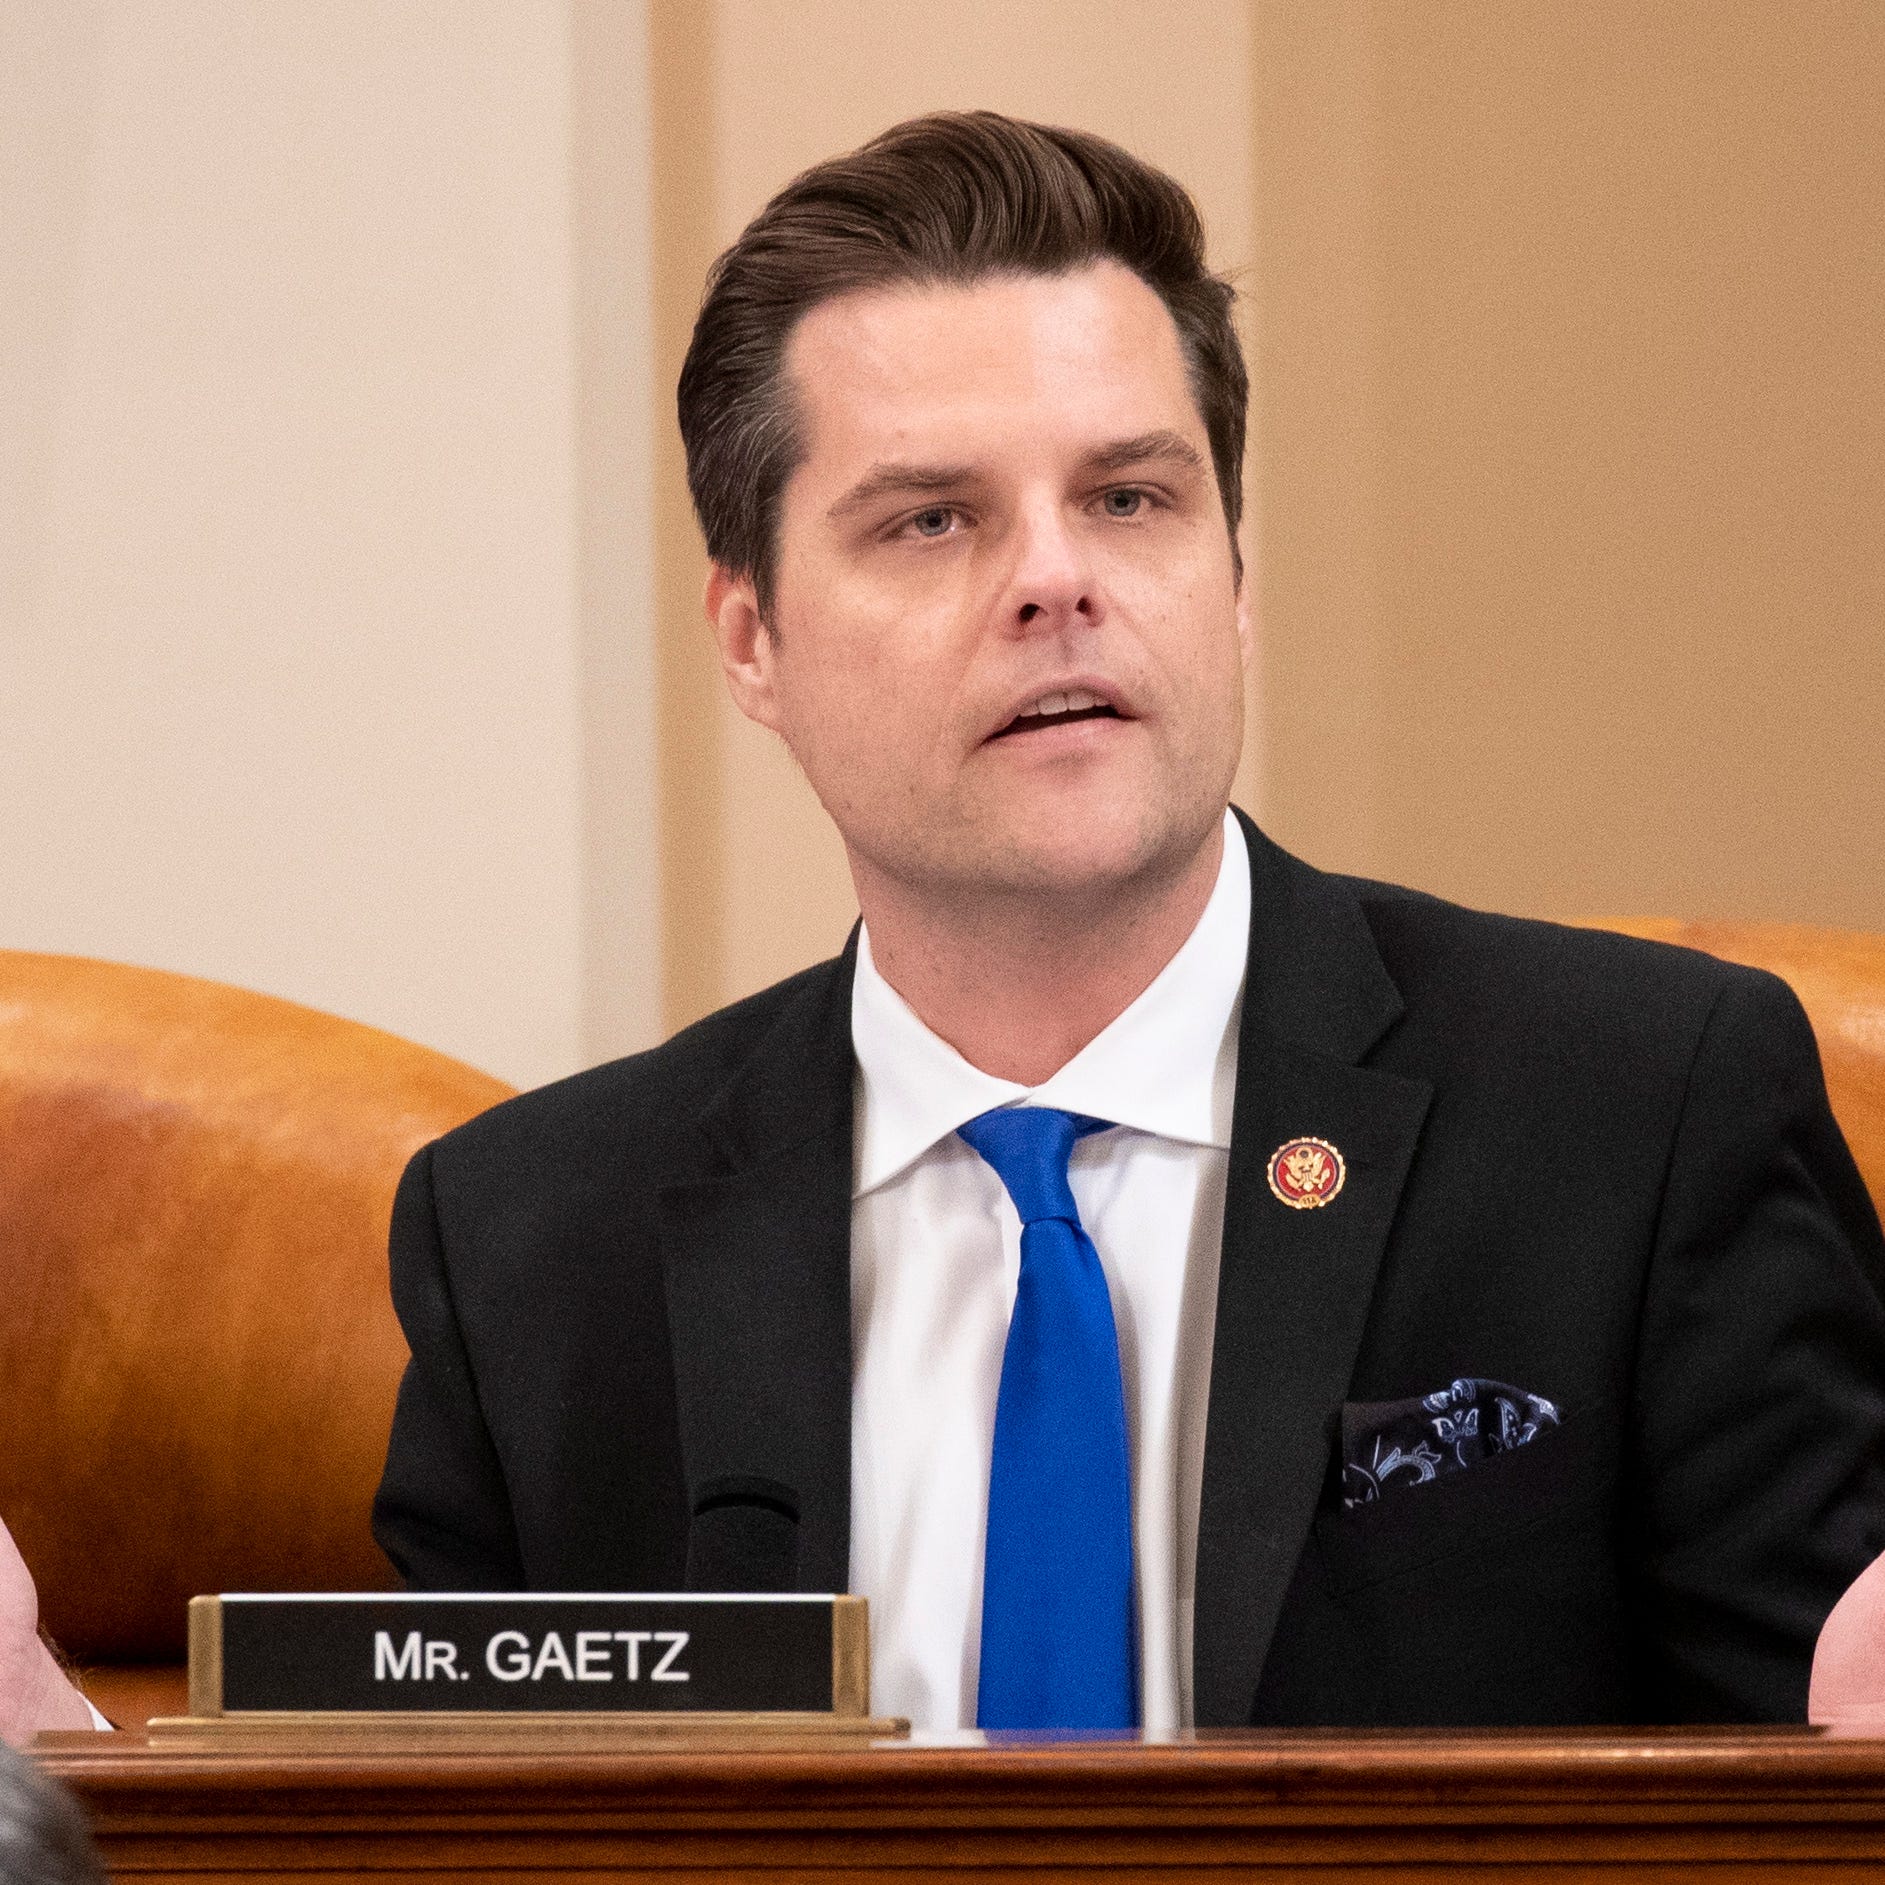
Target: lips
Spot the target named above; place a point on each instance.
(1057, 707)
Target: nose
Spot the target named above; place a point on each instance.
(1052, 583)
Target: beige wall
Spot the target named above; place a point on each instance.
(777, 87)
(324, 419)
(1572, 444)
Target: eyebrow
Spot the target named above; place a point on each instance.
(897, 480)
(1161, 447)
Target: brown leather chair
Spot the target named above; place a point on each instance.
(197, 1353)
(1839, 975)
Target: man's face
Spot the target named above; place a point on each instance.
(1006, 640)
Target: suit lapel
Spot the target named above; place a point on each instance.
(1295, 1285)
(757, 1263)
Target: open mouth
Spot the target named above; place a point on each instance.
(1059, 710)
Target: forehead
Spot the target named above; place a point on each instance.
(999, 362)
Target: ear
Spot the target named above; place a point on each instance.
(748, 653)
(1246, 609)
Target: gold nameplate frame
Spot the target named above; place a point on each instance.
(527, 1667)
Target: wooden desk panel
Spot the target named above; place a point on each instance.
(1333, 1807)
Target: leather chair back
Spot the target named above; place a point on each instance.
(1839, 975)
(198, 1357)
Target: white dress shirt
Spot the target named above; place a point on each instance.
(935, 1254)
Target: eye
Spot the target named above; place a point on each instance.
(933, 522)
(1127, 501)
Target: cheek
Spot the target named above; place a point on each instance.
(852, 709)
(1187, 620)
(870, 669)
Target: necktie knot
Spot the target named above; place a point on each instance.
(1028, 1147)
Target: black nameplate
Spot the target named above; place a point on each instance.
(522, 1654)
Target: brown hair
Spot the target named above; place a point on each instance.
(948, 199)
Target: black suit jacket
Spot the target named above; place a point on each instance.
(1601, 1170)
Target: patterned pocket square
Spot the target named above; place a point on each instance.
(1389, 1446)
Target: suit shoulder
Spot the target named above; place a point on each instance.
(641, 1100)
(1454, 955)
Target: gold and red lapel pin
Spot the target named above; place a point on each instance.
(1305, 1173)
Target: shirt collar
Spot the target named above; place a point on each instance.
(1167, 1065)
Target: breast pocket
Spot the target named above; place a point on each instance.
(1484, 1510)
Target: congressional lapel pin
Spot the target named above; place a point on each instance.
(1305, 1173)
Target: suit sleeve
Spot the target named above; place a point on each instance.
(442, 1513)
(1759, 1404)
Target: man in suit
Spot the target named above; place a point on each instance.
(1172, 1283)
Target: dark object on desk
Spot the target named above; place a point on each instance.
(745, 1536)
(44, 1839)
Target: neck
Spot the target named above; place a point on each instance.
(1018, 985)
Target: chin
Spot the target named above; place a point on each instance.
(1079, 846)
(1077, 855)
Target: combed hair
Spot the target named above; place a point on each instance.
(945, 200)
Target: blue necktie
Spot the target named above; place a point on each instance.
(1057, 1618)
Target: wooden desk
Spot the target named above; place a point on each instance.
(1332, 1807)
